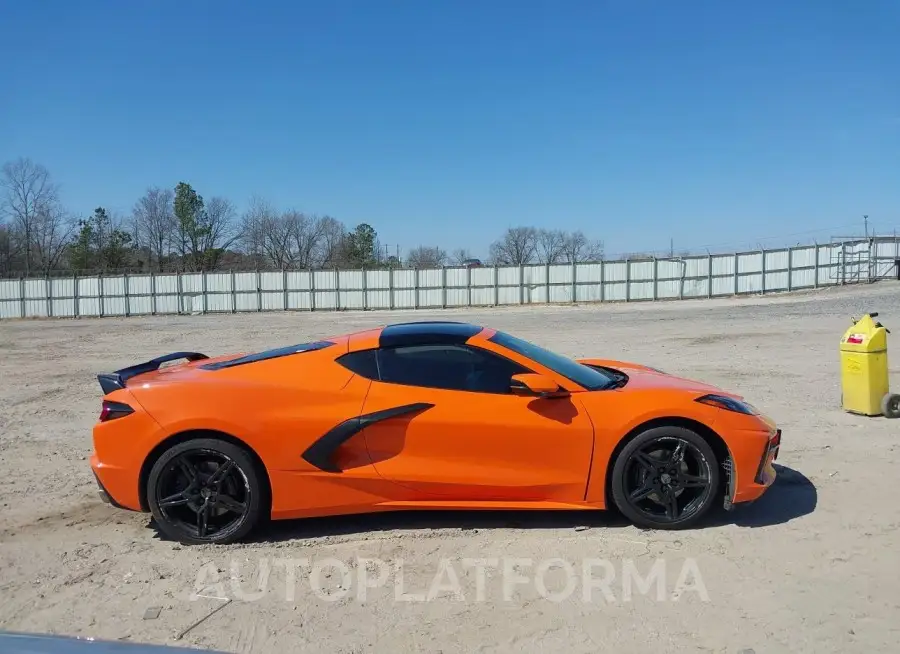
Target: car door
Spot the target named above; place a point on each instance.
(460, 433)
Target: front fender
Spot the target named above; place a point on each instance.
(612, 424)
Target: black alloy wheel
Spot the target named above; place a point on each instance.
(204, 491)
(666, 478)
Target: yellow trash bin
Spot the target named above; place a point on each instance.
(864, 370)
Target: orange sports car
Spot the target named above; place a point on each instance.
(419, 415)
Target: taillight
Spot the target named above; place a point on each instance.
(113, 410)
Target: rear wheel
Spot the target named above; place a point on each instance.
(205, 491)
(665, 478)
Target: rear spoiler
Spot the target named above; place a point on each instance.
(113, 381)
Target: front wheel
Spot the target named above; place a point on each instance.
(205, 491)
(665, 478)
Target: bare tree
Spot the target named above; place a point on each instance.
(256, 222)
(154, 223)
(29, 196)
(577, 248)
(516, 247)
(220, 231)
(278, 239)
(306, 234)
(51, 230)
(426, 257)
(460, 256)
(331, 249)
(289, 239)
(550, 246)
(8, 249)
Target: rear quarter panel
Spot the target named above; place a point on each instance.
(120, 447)
(277, 407)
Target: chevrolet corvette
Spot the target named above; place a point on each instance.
(418, 415)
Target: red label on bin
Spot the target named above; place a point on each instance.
(856, 338)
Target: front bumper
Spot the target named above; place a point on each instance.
(750, 473)
(765, 475)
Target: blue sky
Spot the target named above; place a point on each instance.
(444, 122)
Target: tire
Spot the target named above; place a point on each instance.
(645, 478)
(890, 405)
(231, 505)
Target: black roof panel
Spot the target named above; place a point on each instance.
(427, 333)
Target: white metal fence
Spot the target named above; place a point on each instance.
(607, 281)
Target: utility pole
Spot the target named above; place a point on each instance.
(866, 224)
(671, 248)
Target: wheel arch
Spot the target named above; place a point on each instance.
(192, 434)
(715, 441)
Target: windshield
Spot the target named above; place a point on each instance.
(591, 378)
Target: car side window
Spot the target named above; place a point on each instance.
(450, 367)
(361, 362)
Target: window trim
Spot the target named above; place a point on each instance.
(463, 346)
(499, 339)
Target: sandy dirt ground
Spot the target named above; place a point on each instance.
(813, 566)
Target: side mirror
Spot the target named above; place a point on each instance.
(536, 385)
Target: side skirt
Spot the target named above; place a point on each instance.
(493, 505)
